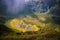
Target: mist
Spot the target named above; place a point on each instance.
(14, 6)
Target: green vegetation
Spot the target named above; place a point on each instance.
(47, 29)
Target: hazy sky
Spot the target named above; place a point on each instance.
(14, 6)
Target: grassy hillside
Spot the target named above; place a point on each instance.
(47, 29)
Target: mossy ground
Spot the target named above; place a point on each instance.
(48, 31)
